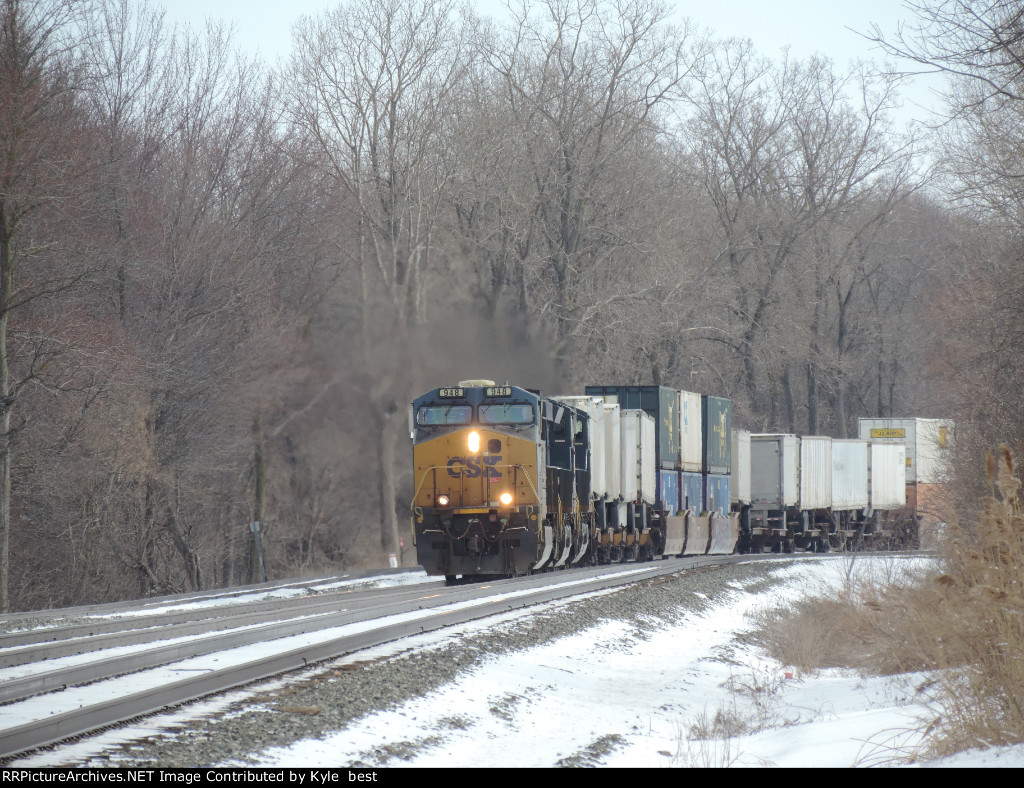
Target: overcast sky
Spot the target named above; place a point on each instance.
(831, 27)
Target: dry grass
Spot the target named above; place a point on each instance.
(850, 626)
(964, 625)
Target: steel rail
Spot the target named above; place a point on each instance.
(15, 649)
(103, 668)
(120, 608)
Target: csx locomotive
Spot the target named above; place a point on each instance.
(509, 482)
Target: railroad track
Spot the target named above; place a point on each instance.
(66, 680)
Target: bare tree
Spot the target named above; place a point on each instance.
(983, 42)
(852, 171)
(980, 48)
(129, 59)
(588, 87)
(39, 128)
(791, 157)
(371, 83)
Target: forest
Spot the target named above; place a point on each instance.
(223, 281)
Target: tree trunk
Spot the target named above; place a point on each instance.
(386, 423)
(841, 409)
(812, 394)
(787, 401)
(256, 568)
(6, 289)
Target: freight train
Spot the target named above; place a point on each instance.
(510, 482)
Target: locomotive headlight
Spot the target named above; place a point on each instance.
(442, 500)
(506, 498)
(474, 442)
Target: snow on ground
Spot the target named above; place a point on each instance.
(620, 696)
(615, 696)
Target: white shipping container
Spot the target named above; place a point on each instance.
(613, 451)
(928, 443)
(691, 431)
(649, 474)
(850, 475)
(774, 471)
(639, 471)
(740, 487)
(815, 472)
(888, 487)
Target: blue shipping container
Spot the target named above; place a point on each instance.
(691, 492)
(668, 491)
(716, 493)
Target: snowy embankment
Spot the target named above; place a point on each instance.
(661, 674)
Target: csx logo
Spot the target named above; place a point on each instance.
(473, 467)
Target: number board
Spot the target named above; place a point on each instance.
(451, 392)
(498, 391)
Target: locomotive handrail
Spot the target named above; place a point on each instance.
(412, 503)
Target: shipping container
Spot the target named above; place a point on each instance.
(659, 402)
(850, 475)
(928, 442)
(639, 477)
(612, 451)
(668, 491)
(815, 472)
(716, 493)
(716, 424)
(774, 471)
(888, 490)
(691, 432)
(740, 489)
(691, 492)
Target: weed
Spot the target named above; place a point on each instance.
(706, 754)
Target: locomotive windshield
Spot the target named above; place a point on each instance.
(506, 413)
(432, 415)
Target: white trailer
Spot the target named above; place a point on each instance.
(815, 472)
(888, 489)
(928, 443)
(774, 471)
(850, 475)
